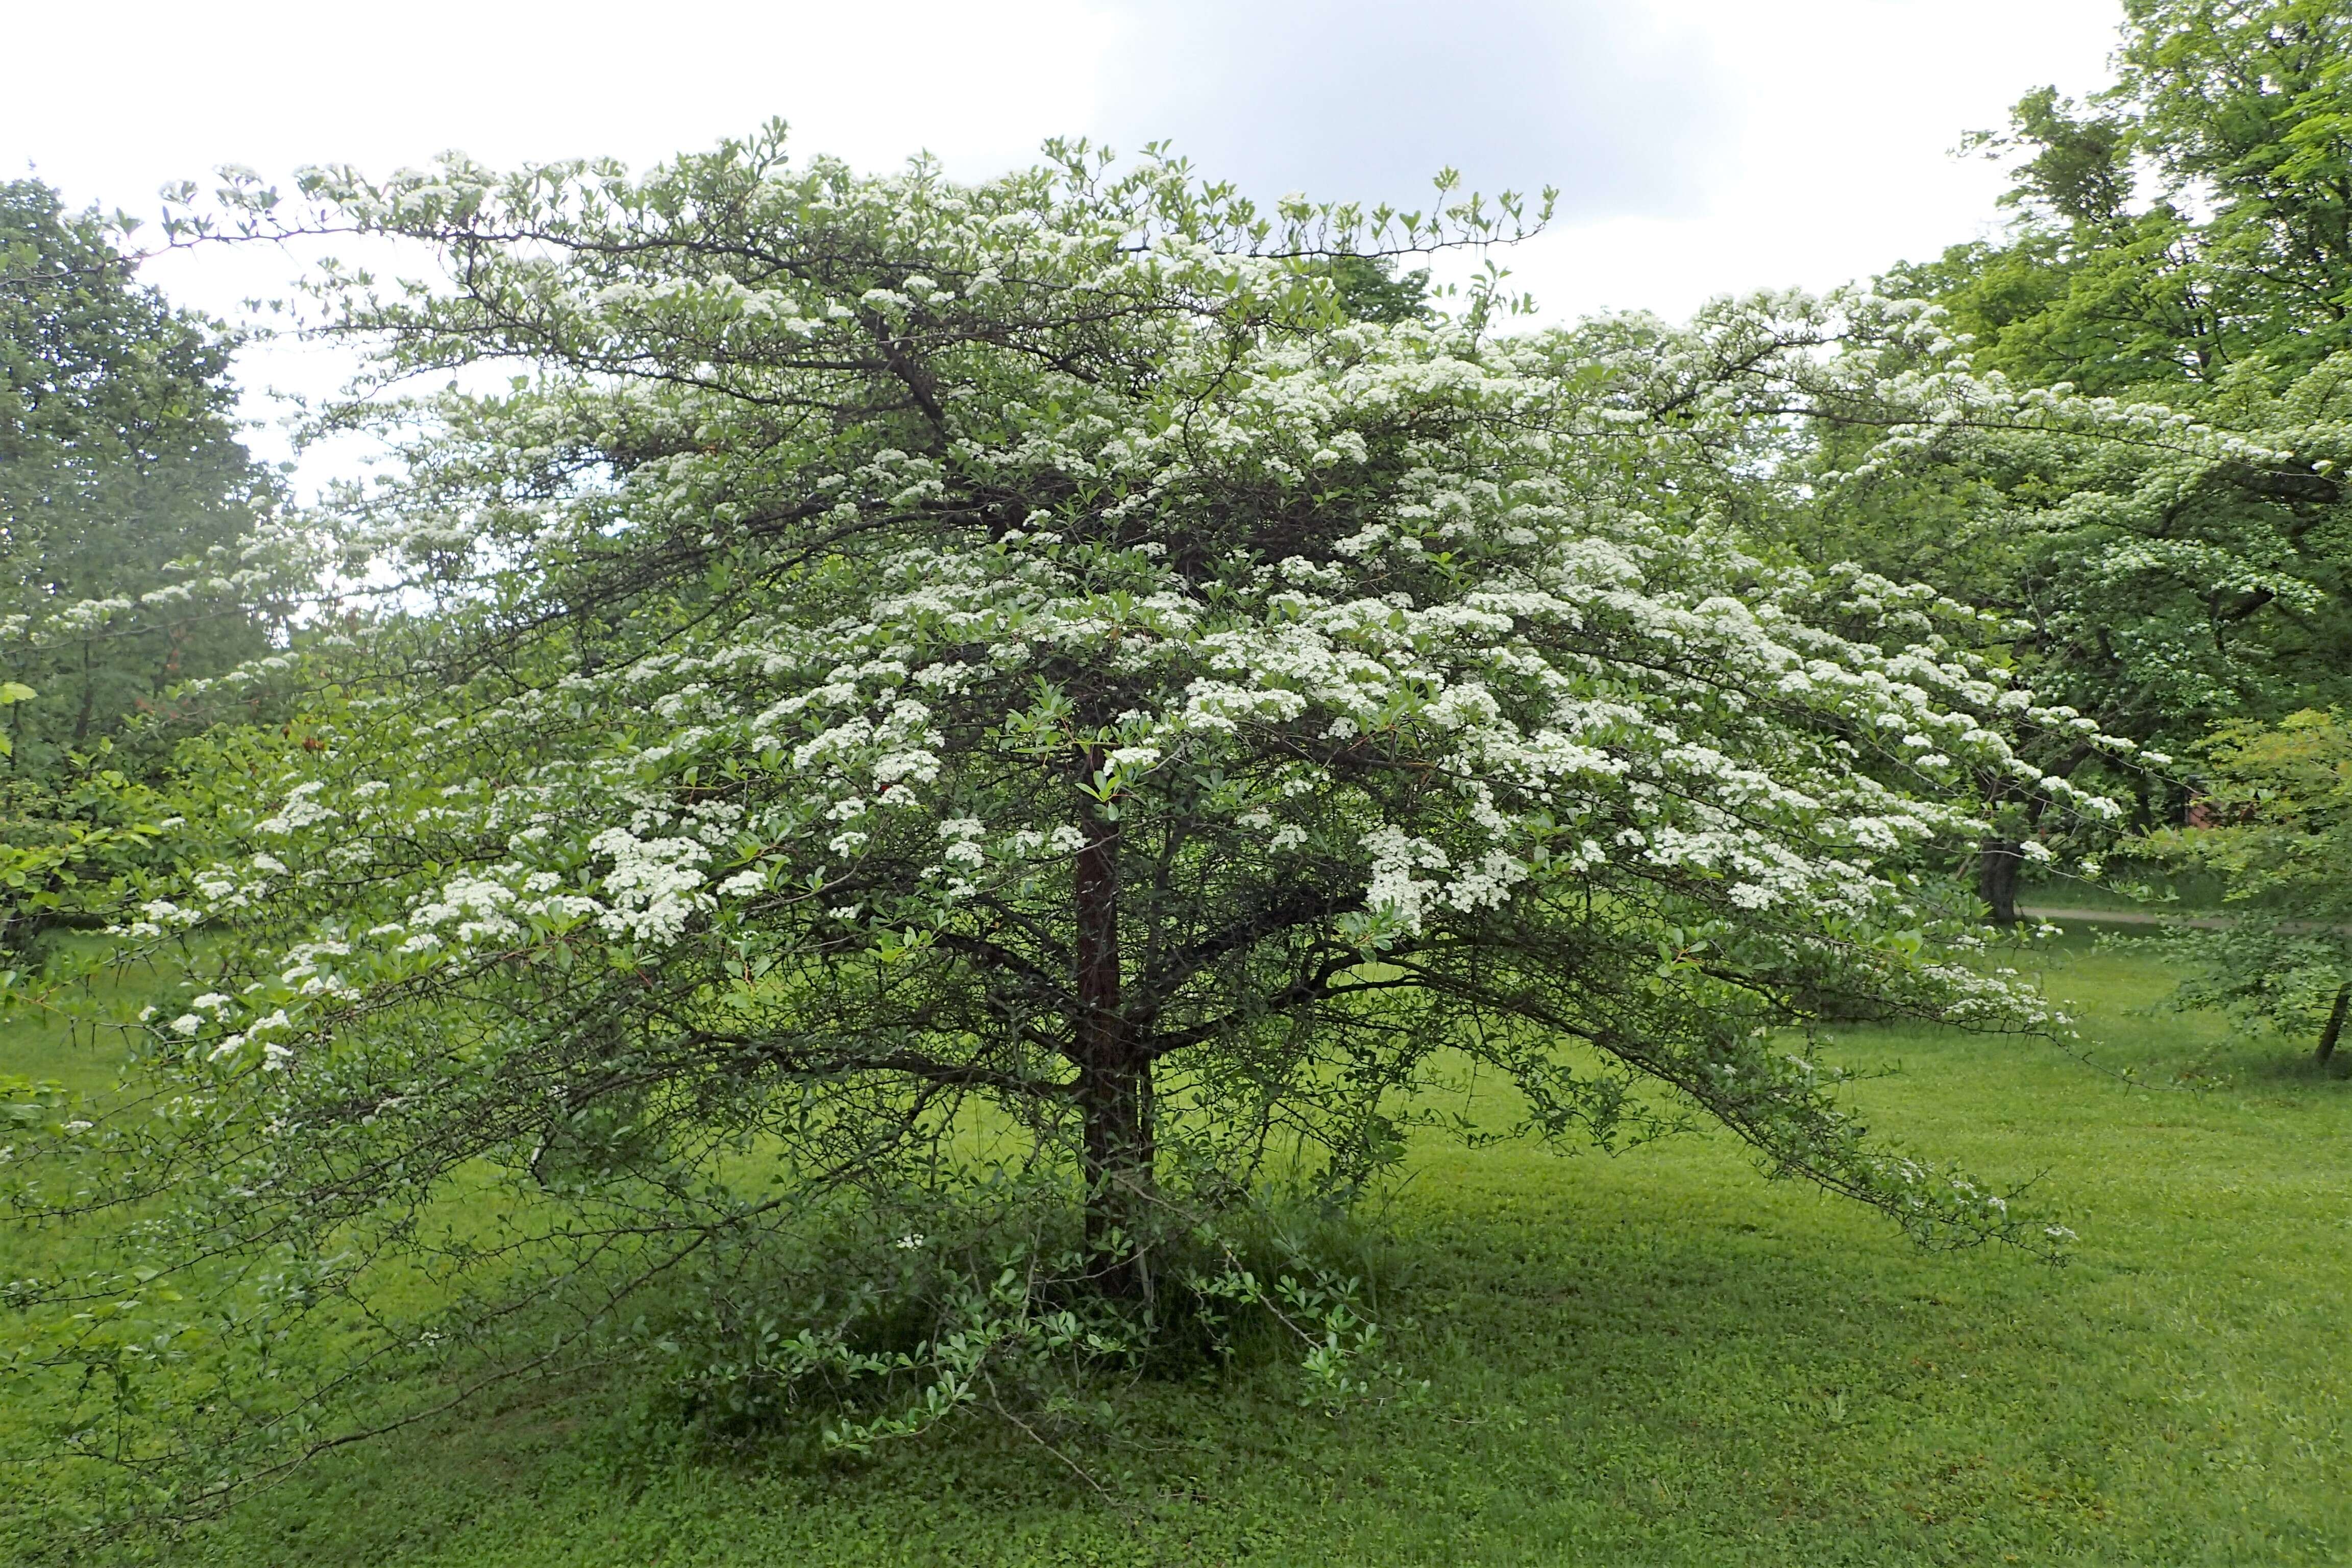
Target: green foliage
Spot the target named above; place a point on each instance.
(2180, 259)
(2240, 259)
(2276, 827)
(1370, 288)
(964, 733)
(2081, 168)
(2162, 596)
(2155, 580)
(888, 1320)
(73, 841)
(2248, 107)
(125, 497)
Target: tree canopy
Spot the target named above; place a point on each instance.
(1023, 690)
(126, 498)
(2178, 247)
(2189, 223)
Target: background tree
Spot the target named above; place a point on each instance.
(2239, 257)
(126, 499)
(2142, 568)
(2178, 253)
(2277, 827)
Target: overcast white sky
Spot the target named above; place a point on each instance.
(1701, 146)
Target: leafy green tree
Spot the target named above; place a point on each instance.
(125, 498)
(2240, 258)
(1370, 288)
(2246, 106)
(2276, 827)
(2178, 253)
(1010, 701)
(2152, 572)
(71, 843)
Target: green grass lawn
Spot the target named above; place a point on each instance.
(1655, 1358)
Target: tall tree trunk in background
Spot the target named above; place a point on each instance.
(88, 699)
(1998, 861)
(2335, 1030)
(2002, 855)
(1114, 1086)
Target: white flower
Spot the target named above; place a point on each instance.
(654, 884)
(301, 810)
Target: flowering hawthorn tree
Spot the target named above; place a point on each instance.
(926, 677)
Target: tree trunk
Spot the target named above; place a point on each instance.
(1114, 1086)
(2000, 857)
(89, 701)
(2335, 1030)
(1998, 861)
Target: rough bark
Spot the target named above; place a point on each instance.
(1114, 1079)
(1998, 861)
(2335, 1030)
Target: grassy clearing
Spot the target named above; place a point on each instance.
(1653, 1359)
